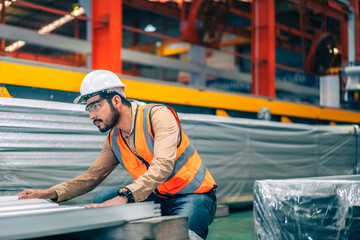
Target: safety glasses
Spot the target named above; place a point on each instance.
(94, 106)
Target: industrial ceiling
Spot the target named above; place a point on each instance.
(292, 34)
(307, 33)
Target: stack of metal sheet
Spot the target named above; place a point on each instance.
(34, 218)
(43, 143)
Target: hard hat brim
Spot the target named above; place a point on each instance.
(79, 99)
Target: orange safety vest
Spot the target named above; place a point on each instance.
(189, 174)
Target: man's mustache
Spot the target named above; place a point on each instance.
(97, 120)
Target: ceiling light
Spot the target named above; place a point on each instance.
(61, 21)
(150, 28)
(14, 46)
(336, 51)
(7, 3)
(76, 11)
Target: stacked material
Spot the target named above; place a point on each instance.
(312, 208)
(43, 143)
(240, 151)
(353, 222)
(33, 218)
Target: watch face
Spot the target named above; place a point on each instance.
(122, 190)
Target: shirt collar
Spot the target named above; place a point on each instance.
(133, 113)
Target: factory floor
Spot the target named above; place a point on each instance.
(238, 225)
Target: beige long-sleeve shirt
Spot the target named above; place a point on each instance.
(167, 137)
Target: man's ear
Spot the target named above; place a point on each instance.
(116, 100)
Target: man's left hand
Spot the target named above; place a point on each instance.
(118, 200)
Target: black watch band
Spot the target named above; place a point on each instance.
(127, 193)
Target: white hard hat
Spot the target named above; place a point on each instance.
(99, 81)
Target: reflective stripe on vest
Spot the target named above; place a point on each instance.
(147, 128)
(181, 160)
(189, 174)
(114, 145)
(196, 181)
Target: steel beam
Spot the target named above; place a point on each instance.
(47, 59)
(174, 13)
(107, 39)
(288, 46)
(263, 48)
(351, 39)
(239, 31)
(294, 31)
(303, 27)
(2, 17)
(344, 43)
(155, 7)
(323, 8)
(197, 55)
(47, 40)
(47, 9)
(355, 5)
(237, 11)
(164, 62)
(149, 59)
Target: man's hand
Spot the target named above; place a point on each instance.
(115, 201)
(38, 193)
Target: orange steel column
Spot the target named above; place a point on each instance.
(344, 43)
(107, 35)
(263, 47)
(2, 21)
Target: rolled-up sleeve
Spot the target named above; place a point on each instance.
(166, 131)
(98, 171)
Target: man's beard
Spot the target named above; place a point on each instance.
(114, 120)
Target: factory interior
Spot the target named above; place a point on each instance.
(266, 91)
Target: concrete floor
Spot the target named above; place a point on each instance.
(238, 225)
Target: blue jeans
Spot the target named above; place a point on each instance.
(198, 207)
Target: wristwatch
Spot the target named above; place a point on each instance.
(126, 193)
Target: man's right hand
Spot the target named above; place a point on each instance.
(38, 193)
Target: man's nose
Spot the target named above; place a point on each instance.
(92, 115)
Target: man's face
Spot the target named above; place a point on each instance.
(104, 115)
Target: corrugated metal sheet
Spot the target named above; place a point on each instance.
(43, 143)
(33, 218)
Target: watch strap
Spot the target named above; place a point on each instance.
(126, 193)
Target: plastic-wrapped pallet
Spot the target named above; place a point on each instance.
(307, 208)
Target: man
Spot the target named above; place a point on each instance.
(148, 141)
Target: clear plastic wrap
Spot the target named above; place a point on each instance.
(240, 151)
(307, 209)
